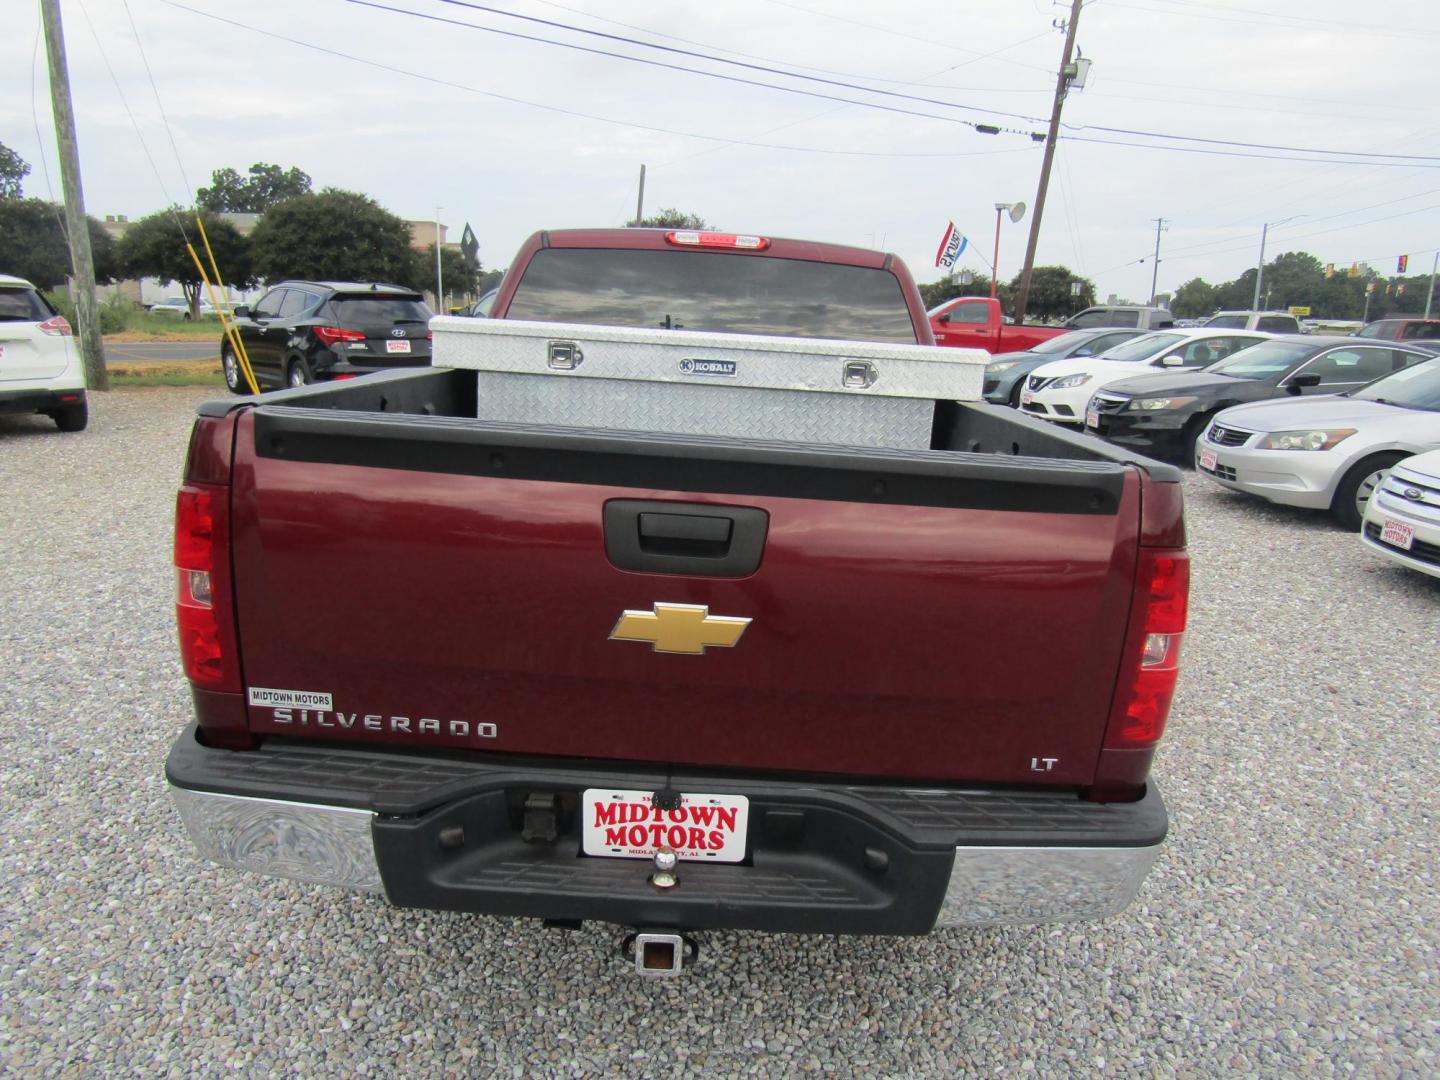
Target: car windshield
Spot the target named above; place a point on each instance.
(1142, 348)
(1063, 343)
(693, 290)
(22, 305)
(1416, 387)
(1265, 360)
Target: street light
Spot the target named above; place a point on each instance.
(1260, 270)
(1017, 211)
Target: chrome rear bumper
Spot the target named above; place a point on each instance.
(988, 886)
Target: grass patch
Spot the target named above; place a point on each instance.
(198, 373)
(142, 326)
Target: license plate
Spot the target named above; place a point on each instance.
(1207, 460)
(1026, 397)
(1397, 534)
(1092, 418)
(626, 825)
(2, 352)
(397, 346)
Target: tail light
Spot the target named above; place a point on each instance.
(1151, 663)
(202, 602)
(333, 335)
(56, 327)
(717, 240)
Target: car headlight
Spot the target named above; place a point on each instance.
(1068, 381)
(1154, 404)
(1316, 439)
(995, 369)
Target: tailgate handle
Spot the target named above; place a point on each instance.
(684, 538)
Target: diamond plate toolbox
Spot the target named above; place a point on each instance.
(857, 393)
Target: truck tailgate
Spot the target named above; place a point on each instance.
(921, 615)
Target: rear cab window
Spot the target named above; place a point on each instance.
(1278, 324)
(713, 291)
(1420, 331)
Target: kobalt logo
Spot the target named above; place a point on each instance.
(691, 366)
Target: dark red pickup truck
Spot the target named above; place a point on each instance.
(676, 681)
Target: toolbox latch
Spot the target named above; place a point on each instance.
(565, 355)
(859, 375)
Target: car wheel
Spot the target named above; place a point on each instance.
(186, 316)
(299, 374)
(72, 417)
(1353, 493)
(231, 367)
(1015, 393)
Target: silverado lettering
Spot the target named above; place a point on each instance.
(395, 724)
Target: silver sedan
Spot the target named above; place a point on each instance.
(1325, 453)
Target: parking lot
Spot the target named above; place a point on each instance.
(1292, 924)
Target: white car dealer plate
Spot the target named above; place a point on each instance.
(1397, 534)
(1092, 418)
(1026, 397)
(1207, 460)
(626, 825)
(397, 346)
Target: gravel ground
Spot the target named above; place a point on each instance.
(1291, 925)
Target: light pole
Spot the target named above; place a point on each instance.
(1430, 292)
(1260, 269)
(439, 276)
(1017, 211)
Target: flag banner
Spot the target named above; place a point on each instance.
(1401, 263)
(951, 245)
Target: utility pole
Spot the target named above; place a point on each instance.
(1155, 271)
(640, 198)
(76, 224)
(1062, 84)
(1430, 295)
(1260, 271)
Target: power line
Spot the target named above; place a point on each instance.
(560, 110)
(1238, 154)
(470, 6)
(1318, 25)
(473, 6)
(155, 89)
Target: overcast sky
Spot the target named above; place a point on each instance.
(514, 135)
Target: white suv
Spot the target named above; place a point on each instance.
(40, 368)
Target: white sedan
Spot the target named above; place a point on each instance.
(177, 305)
(1060, 390)
(1329, 452)
(1402, 521)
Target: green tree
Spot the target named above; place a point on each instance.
(13, 170)
(1051, 295)
(459, 276)
(337, 235)
(266, 186)
(154, 247)
(33, 243)
(947, 288)
(1193, 300)
(670, 218)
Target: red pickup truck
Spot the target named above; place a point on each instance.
(977, 322)
(482, 666)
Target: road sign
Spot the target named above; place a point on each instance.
(1298, 311)
(469, 245)
(1075, 288)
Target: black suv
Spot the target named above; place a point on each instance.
(301, 331)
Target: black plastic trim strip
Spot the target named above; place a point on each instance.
(408, 783)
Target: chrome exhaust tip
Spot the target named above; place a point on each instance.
(660, 954)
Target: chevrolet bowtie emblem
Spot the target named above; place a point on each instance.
(680, 628)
